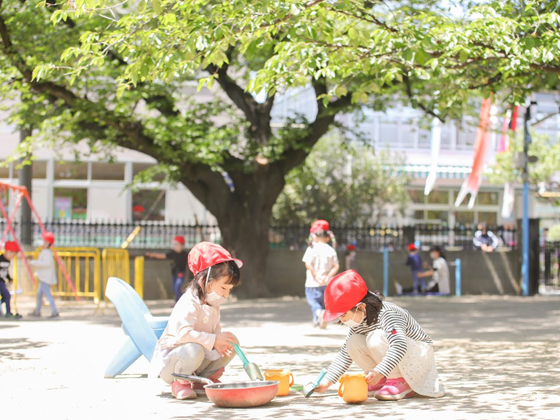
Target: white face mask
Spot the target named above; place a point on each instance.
(351, 322)
(213, 298)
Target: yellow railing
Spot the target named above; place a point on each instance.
(116, 263)
(139, 276)
(83, 266)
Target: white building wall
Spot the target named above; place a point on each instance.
(107, 202)
(40, 198)
(182, 206)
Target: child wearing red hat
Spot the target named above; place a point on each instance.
(46, 274)
(350, 259)
(10, 251)
(178, 257)
(321, 262)
(384, 340)
(193, 342)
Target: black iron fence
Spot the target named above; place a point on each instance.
(375, 238)
(551, 263)
(160, 235)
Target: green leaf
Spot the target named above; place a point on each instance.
(156, 4)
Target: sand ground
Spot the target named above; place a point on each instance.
(499, 358)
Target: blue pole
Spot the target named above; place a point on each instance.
(525, 228)
(525, 222)
(386, 271)
(458, 277)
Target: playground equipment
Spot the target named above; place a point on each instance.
(22, 193)
(142, 328)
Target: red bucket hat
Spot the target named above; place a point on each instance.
(319, 225)
(412, 247)
(49, 237)
(343, 293)
(207, 254)
(11, 246)
(180, 239)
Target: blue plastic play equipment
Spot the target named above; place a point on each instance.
(142, 328)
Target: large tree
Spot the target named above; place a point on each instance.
(119, 74)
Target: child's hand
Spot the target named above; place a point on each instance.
(323, 386)
(223, 343)
(373, 377)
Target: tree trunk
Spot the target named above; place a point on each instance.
(244, 220)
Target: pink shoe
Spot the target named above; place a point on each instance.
(182, 390)
(372, 389)
(395, 389)
(199, 388)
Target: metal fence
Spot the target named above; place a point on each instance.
(551, 263)
(160, 235)
(113, 234)
(376, 238)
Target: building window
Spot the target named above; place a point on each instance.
(416, 196)
(464, 217)
(70, 203)
(139, 167)
(5, 171)
(419, 215)
(39, 169)
(107, 171)
(438, 216)
(144, 200)
(438, 197)
(488, 198)
(72, 171)
(488, 217)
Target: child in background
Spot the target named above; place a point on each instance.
(10, 251)
(321, 263)
(178, 257)
(439, 273)
(193, 342)
(46, 274)
(415, 262)
(351, 257)
(384, 340)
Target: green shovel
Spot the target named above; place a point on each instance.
(251, 368)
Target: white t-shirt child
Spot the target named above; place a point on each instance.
(441, 275)
(322, 257)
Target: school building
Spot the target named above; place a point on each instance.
(96, 190)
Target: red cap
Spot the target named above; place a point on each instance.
(412, 247)
(343, 293)
(207, 254)
(351, 247)
(49, 237)
(319, 225)
(11, 246)
(180, 239)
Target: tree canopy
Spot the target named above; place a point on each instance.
(349, 183)
(116, 73)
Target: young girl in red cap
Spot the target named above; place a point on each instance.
(46, 274)
(321, 263)
(178, 257)
(384, 340)
(10, 251)
(193, 342)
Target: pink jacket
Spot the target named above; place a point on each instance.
(190, 322)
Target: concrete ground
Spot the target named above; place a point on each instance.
(497, 356)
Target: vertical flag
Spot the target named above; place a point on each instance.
(509, 193)
(434, 146)
(472, 183)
